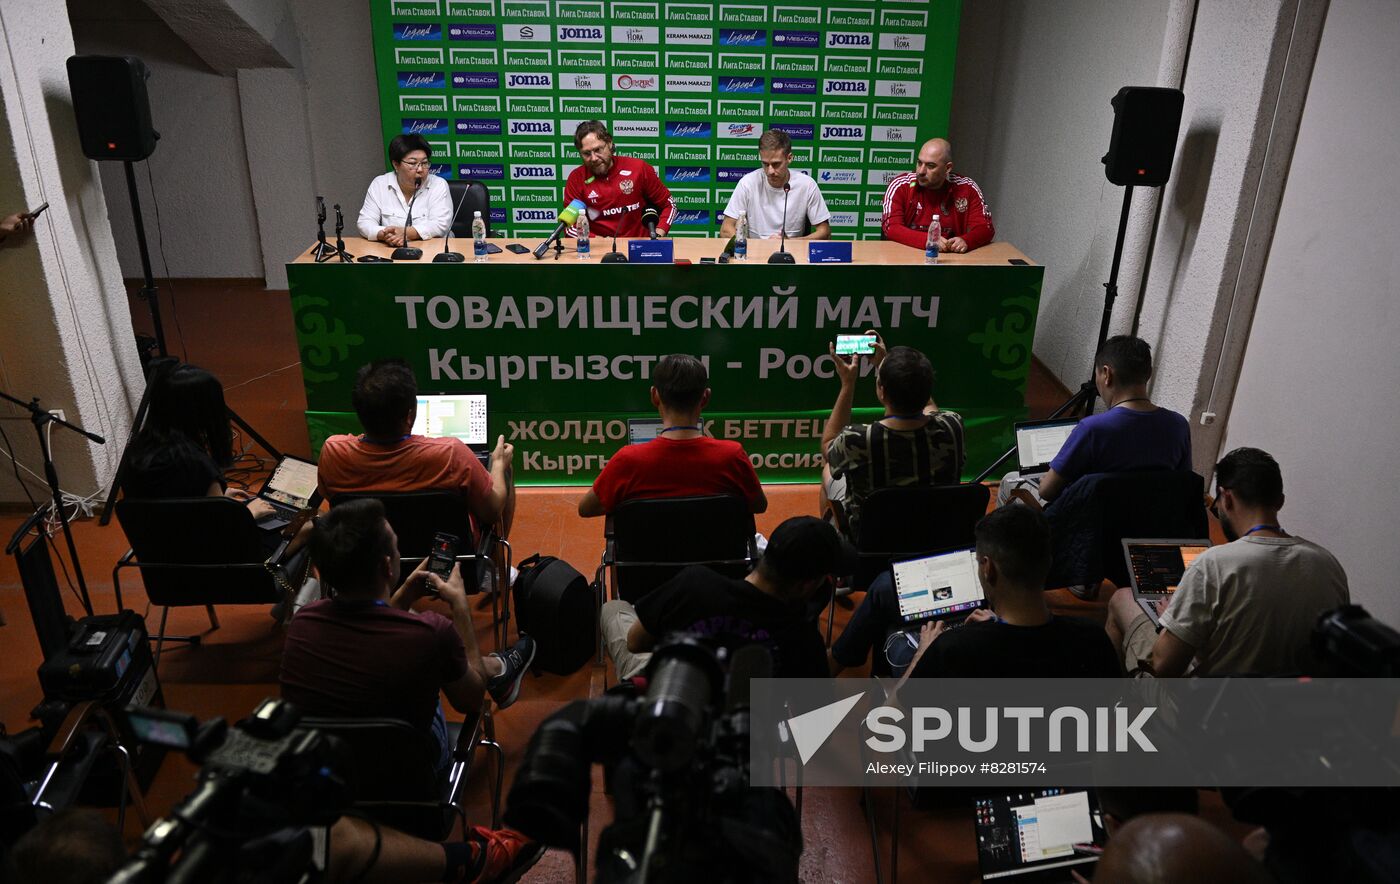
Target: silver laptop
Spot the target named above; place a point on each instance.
(1155, 567)
(1037, 443)
(937, 587)
(456, 415)
(290, 489)
(643, 429)
(1039, 835)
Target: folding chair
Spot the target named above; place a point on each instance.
(649, 541)
(907, 522)
(416, 516)
(194, 551)
(395, 781)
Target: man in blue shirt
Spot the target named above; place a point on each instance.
(1132, 435)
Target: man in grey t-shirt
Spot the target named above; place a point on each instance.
(1247, 607)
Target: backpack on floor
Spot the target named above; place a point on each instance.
(555, 606)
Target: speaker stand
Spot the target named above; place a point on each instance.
(1082, 401)
(148, 287)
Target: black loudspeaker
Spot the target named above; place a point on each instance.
(113, 111)
(1146, 120)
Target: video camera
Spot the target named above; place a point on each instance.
(677, 765)
(1349, 641)
(262, 786)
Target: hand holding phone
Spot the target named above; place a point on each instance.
(443, 557)
(856, 345)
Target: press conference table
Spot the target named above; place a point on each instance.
(692, 248)
(563, 348)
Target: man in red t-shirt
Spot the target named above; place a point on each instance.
(681, 461)
(912, 199)
(387, 457)
(616, 189)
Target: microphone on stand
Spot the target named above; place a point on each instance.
(405, 252)
(649, 218)
(567, 216)
(782, 255)
(614, 257)
(451, 257)
(345, 257)
(322, 250)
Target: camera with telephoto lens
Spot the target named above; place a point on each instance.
(263, 786)
(676, 762)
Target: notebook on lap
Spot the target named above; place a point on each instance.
(290, 488)
(1037, 443)
(937, 587)
(1039, 835)
(1155, 567)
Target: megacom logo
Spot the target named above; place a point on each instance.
(991, 729)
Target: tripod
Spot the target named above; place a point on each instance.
(1082, 401)
(40, 418)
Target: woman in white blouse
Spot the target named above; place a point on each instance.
(410, 202)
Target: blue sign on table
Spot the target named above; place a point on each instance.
(828, 252)
(651, 251)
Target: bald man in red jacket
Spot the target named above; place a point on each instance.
(913, 198)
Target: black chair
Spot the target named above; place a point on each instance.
(1090, 518)
(477, 198)
(394, 780)
(649, 541)
(417, 516)
(195, 551)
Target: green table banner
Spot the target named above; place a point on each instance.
(564, 368)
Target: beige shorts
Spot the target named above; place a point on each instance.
(1138, 640)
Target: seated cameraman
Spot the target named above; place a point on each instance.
(364, 652)
(681, 461)
(1018, 637)
(767, 606)
(1244, 608)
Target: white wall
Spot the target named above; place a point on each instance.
(1030, 120)
(199, 168)
(1320, 384)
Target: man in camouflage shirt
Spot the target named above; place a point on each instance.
(913, 444)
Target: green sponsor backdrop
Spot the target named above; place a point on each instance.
(497, 87)
(563, 370)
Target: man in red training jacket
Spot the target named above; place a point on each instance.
(913, 198)
(616, 189)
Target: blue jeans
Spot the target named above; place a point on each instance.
(439, 728)
(874, 620)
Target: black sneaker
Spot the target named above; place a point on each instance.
(505, 687)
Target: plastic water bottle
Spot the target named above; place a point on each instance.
(741, 237)
(478, 238)
(581, 225)
(935, 230)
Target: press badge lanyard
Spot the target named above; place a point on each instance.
(366, 438)
(1265, 528)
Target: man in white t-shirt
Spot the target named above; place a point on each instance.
(761, 193)
(1245, 608)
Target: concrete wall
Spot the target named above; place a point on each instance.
(1030, 120)
(200, 166)
(1318, 384)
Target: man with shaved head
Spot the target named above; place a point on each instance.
(1172, 847)
(913, 198)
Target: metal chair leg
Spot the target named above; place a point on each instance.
(831, 614)
(160, 642)
(213, 618)
(500, 780)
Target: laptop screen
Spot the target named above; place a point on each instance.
(643, 429)
(1028, 832)
(1156, 566)
(937, 586)
(1037, 443)
(293, 483)
(459, 415)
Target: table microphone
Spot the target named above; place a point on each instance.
(405, 252)
(451, 257)
(567, 216)
(782, 255)
(649, 219)
(614, 257)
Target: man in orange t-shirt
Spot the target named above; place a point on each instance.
(389, 458)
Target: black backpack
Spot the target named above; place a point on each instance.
(556, 607)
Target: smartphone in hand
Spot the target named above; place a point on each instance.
(443, 556)
(855, 345)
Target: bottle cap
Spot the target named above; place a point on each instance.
(476, 214)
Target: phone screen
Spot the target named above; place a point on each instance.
(855, 345)
(444, 555)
